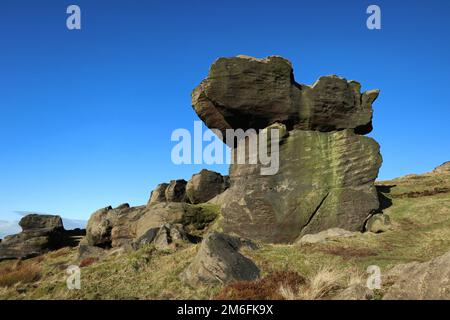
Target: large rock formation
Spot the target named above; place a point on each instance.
(40, 234)
(327, 168)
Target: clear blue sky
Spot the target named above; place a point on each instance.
(86, 116)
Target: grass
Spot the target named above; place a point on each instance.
(19, 273)
(420, 231)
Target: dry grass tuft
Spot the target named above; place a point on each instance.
(88, 261)
(19, 272)
(266, 288)
(324, 284)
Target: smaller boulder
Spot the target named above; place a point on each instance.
(159, 194)
(219, 261)
(325, 236)
(378, 223)
(86, 251)
(205, 185)
(176, 191)
(43, 223)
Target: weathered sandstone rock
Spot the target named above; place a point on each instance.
(40, 234)
(244, 92)
(205, 185)
(159, 194)
(219, 261)
(420, 281)
(176, 191)
(327, 169)
(131, 227)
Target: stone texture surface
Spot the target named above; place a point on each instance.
(327, 168)
(355, 292)
(324, 236)
(245, 92)
(176, 191)
(205, 185)
(40, 234)
(325, 180)
(420, 281)
(219, 261)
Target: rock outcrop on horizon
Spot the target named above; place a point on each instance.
(40, 234)
(327, 168)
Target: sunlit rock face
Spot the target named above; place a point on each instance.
(327, 168)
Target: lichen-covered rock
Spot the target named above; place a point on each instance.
(205, 185)
(326, 168)
(219, 261)
(378, 223)
(159, 194)
(40, 234)
(325, 180)
(176, 191)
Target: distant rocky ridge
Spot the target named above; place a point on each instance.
(40, 234)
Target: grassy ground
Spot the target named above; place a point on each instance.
(419, 207)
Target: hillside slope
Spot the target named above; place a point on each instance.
(418, 205)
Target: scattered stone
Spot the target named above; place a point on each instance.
(219, 261)
(378, 223)
(205, 185)
(325, 236)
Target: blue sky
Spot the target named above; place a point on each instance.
(86, 115)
